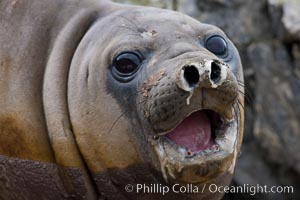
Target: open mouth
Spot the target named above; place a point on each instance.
(202, 137)
(197, 132)
(203, 132)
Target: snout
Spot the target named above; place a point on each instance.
(172, 95)
(188, 104)
(190, 110)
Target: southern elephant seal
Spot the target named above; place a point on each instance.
(97, 95)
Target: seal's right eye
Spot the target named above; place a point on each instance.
(217, 45)
(127, 63)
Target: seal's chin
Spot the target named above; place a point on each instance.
(203, 138)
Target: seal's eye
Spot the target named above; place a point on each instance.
(217, 45)
(127, 63)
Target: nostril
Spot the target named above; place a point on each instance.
(215, 74)
(191, 75)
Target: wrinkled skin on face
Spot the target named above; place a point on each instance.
(129, 95)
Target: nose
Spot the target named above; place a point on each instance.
(209, 73)
(191, 75)
(215, 73)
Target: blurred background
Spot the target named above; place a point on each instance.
(267, 35)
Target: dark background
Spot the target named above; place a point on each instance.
(267, 35)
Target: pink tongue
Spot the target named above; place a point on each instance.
(194, 132)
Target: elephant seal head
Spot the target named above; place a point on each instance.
(155, 88)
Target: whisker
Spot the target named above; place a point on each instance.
(240, 82)
(131, 22)
(238, 118)
(246, 93)
(242, 92)
(238, 101)
(115, 122)
(235, 113)
(241, 85)
(247, 96)
(131, 29)
(121, 115)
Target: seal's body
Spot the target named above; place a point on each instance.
(96, 95)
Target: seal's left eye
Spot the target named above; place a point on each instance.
(217, 45)
(127, 63)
